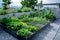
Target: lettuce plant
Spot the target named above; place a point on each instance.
(33, 28)
(23, 33)
(50, 15)
(16, 25)
(26, 9)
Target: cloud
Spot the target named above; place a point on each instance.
(16, 3)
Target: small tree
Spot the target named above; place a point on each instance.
(29, 3)
(41, 4)
(6, 3)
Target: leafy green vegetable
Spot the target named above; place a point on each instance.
(40, 20)
(50, 15)
(16, 25)
(9, 19)
(24, 16)
(26, 9)
(33, 28)
(2, 12)
(13, 19)
(23, 33)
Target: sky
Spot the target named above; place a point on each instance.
(17, 2)
(0, 3)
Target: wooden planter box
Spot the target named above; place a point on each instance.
(21, 38)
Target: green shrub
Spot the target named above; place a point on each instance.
(33, 14)
(40, 20)
(4, 21)
(59, 5)
(24, 16)
(13, 19)
(38, 14)
(26, 9)
(16, 25)
(19, 10)
(2, 12)
(9, 19)
(50, 15)
(10, 10)
(35, 19)
(33, 28)
(24, 33)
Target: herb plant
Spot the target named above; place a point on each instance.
(16, 25)
(23, 33)
(33, 28)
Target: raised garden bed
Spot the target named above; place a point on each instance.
(26, 26)
(13, 33)
(14, 26)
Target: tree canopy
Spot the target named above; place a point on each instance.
(29, 3)
(41, 4)
(6, 3)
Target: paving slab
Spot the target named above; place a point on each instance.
(57, 36)
(5, 36)
(49, 32)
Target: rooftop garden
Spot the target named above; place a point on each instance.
(26, 25)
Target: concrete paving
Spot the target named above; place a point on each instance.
(52, 32)
(57, 36)
(5, 36)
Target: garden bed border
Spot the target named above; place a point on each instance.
(20, 38)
